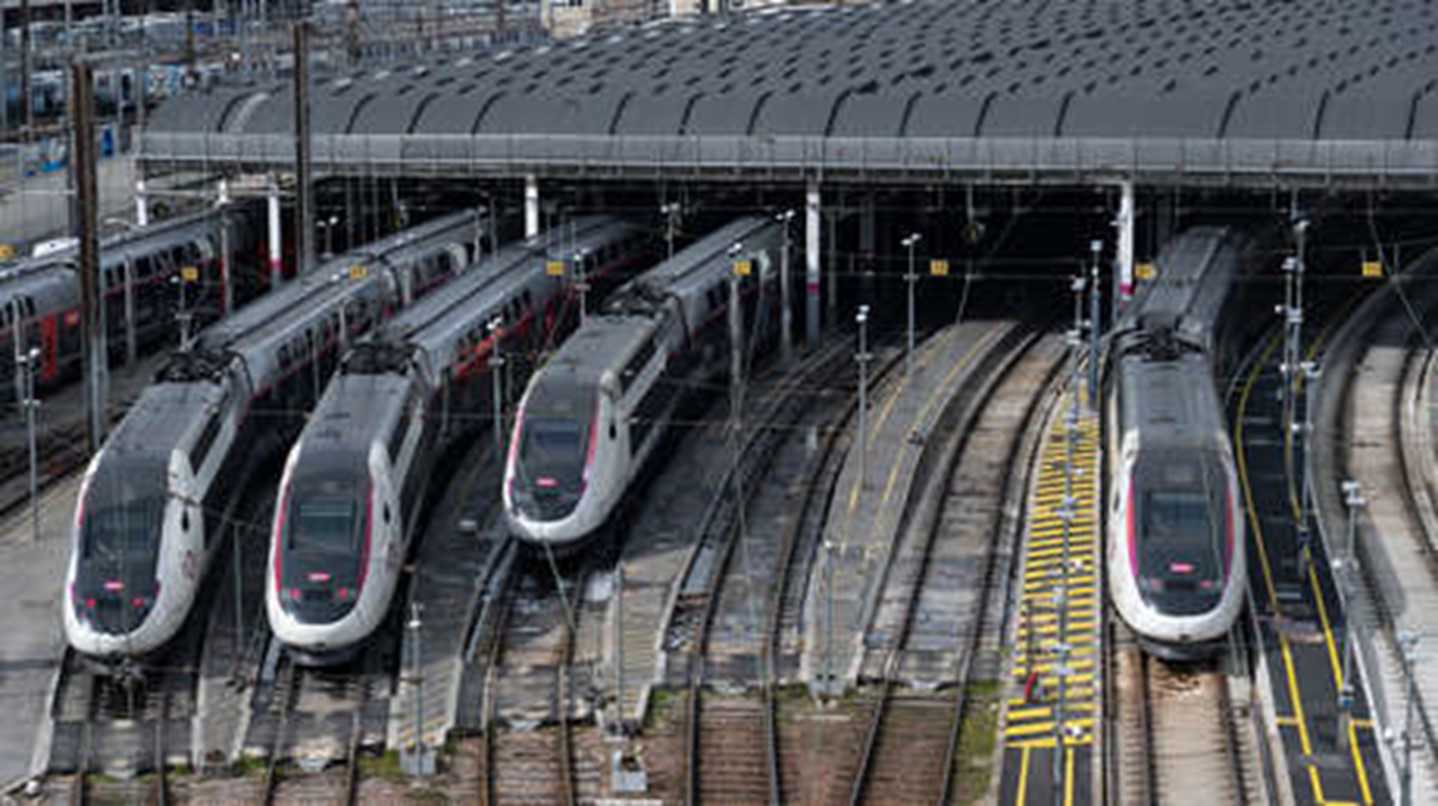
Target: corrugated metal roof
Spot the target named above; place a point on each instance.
(1291, 70)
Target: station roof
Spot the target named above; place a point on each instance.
(1305, 91)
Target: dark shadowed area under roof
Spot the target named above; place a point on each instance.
(1298, 87)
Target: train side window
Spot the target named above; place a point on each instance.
(206, 440)
(397, 436)
(637, 363)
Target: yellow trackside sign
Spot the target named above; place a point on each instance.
(743, 268)
(359, 271)
(554, 268)
(190, 274)
(1145, 271)
(1372, 268)
(939, 268)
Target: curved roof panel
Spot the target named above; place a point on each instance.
(1292, 70)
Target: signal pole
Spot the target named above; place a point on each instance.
(786, 326)
(1353, 499)
(1095, 331)
(496, 363)
(910, 278)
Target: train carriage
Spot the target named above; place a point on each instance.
(357, 479)
(156, 499)
(1176, 556)
(594, 415)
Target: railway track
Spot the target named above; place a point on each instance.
(731, 748)
(125, 721)
(1174, 729)
(529, 692)
(319, 719)
(923, 646)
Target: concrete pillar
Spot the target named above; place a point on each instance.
(275, 245)
(812, 225)
(142, 204)
(531, 206)
(1123, 257)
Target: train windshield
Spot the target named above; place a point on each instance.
(323, 525)
(124, 513)
(553, 450)
(324, 536)
(1181, 556)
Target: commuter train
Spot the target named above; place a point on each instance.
(358, 477)
(40, 297)
(156, 500)
(596, 411)
(1176, 553)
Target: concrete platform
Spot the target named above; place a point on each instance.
(450, 563)
(866, 514)
(31, 637)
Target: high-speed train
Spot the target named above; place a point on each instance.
(356, 480)
(1176, 552)
(40, 297)
(595, 412)
(156, 499)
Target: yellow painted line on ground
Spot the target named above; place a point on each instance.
(1256, 527)
(1021, 795)
(1353, 749)
(964, 361)
(888, 408)
(1068, 776)
(1045, 743)
(929, 400)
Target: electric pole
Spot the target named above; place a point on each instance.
(305, 208)
(87, 232)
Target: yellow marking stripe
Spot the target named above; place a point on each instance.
(1021, 796)
(1299, 719)
(1081, 740)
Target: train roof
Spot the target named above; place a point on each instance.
(439, 314)
(677, 273)
(601, 344)
(400, 244)
(1171, 402)
(1195, 272)
(353, 409)
(264, 313)
(157, 421)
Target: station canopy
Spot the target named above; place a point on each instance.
(1245, 92)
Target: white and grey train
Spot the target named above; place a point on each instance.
(155, 499)
(594, 414)
(357, 479)
(1176, 555)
